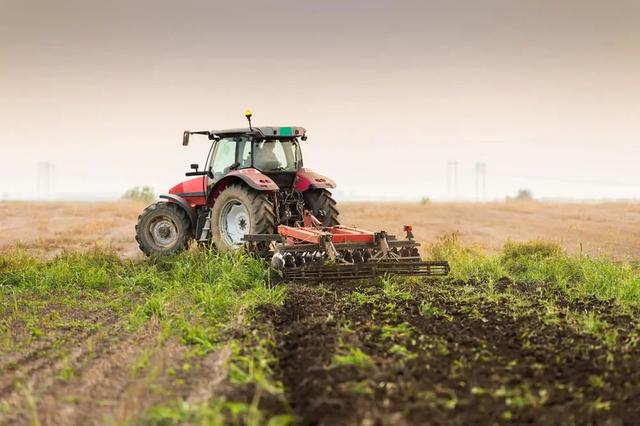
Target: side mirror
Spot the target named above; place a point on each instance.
(185, 138)
(195, 172)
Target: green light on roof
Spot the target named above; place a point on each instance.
(286, 131)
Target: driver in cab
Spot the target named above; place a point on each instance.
(265, 157)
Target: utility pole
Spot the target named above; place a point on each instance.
(44, 179)
(484, 182)
(452, 180)
(481, 181)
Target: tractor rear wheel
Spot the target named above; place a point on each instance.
(163, 228)
(322, 205)
(238, 211)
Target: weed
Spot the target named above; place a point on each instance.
(467, 264)
(141, 363)
(402, 352)
(362, 297)
(351, 357)
(600, 405)
(427, 309)
(393, 290)
(398, 331)
(67, 372)
(360, 388)
(596, 381)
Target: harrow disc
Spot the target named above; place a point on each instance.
(343, 271)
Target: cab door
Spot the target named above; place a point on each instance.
(222, 159)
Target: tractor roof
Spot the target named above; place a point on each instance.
(267, 132)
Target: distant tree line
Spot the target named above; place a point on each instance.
(139, 193)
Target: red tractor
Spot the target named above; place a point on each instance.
(254, 192)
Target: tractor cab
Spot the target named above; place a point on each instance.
(273, 151)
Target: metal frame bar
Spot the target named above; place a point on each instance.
(338, 234)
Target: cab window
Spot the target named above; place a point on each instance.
(277, 155)
(224, 156)
(244, 148)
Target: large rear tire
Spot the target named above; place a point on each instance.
(322, 205)
(238, 211)
(163, 228)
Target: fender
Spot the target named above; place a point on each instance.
(308, 179)
(191, 212)
(252, 177)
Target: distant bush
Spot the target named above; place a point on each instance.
(522, 195)
(140, 193)
(425, 200)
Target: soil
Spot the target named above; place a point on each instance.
(105, 373)
(475, 363)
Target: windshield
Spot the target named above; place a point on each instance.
(277, 155)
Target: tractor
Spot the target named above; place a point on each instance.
(254, 192)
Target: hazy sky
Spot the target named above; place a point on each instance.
(546, 93)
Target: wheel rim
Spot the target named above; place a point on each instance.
(234, 223)
(163, 231)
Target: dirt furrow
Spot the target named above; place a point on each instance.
(46, 355)
(59, 381)
(346, 358)
(306, 341)
(103, 388)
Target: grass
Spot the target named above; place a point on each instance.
(199, 297)
(546, 264)
(199, 294)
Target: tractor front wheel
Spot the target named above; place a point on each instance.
(239, 211)
(163, 228)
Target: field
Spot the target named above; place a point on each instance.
(541, 329)
(596, 228)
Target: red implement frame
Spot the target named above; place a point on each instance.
(338, 234)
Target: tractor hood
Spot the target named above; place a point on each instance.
(191, 190)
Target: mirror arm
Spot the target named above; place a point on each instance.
(197, 173)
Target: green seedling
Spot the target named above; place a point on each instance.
(351, 357)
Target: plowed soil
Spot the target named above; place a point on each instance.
(88, 367)
(460, 362)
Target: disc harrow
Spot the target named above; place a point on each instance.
(314, 252)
